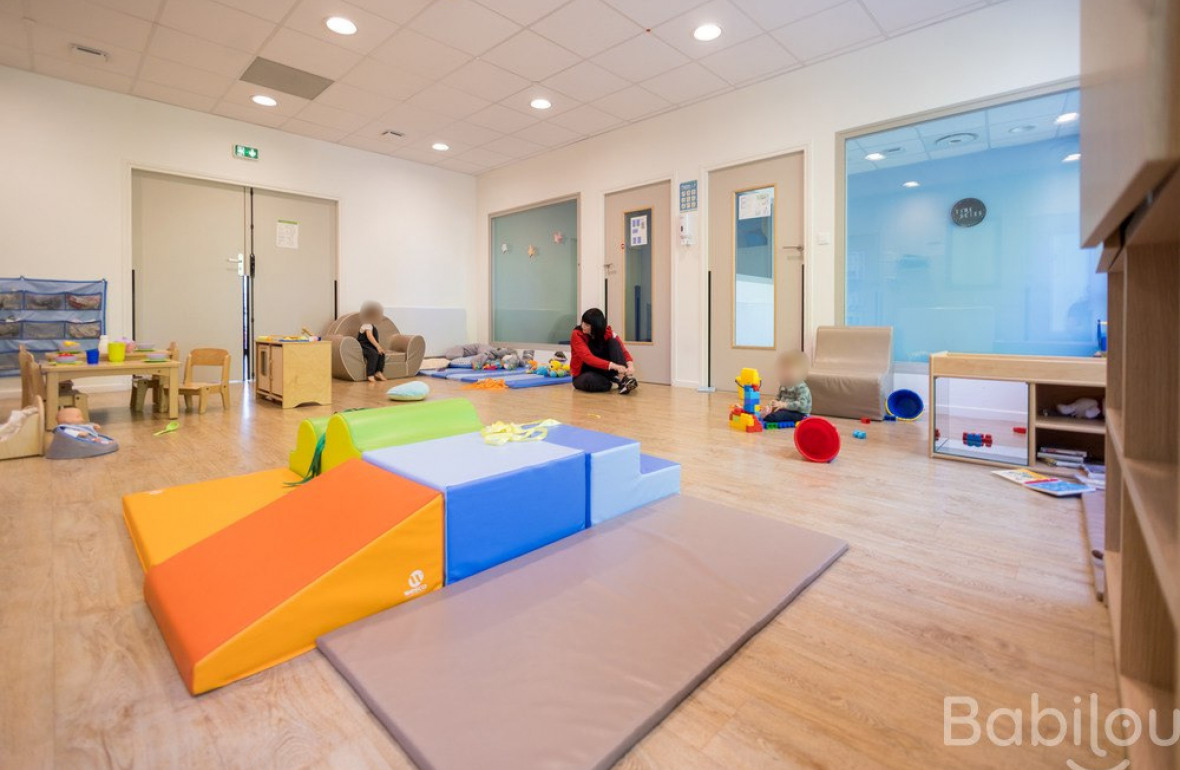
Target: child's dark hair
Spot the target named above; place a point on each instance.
(597, 322)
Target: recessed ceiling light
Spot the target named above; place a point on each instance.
(540, 104)
(875, 156)
(340, 25)
(1073, 157)
(910, 184)
(1066, 117)
(707, 32)
(263, 100)
(440, 146)
(1022, 129)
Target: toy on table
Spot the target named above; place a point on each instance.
(977, 439)
(905, 405)
(745, 417)
(817, 440)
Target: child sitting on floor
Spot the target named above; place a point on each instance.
(794, 397)
(371, 314)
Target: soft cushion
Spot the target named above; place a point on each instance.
(410, 391)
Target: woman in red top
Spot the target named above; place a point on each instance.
(598, 358)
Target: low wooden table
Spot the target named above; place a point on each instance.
(56, 373)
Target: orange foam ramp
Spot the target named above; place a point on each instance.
(164, 522)
(351, 542)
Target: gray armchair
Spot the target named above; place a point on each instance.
(403, 352)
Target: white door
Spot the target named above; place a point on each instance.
(294, 263)
(187, 238)
(639, 291)
(755, 266)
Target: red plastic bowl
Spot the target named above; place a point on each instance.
(817, 440)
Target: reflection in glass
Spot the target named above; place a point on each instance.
(637, 283)
(535, 274)
(753, 263)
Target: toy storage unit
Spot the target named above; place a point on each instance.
(1041, 382)
(293, 373)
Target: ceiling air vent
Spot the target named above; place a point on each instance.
(87, 54)
(391, 132)
(954, 140)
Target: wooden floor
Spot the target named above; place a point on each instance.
(956, 583)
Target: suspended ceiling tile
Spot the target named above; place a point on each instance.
(169, 95)
(633, 103)
(586, 81)
(531, 56)
(587, 27)
(168, 73)
(587, 120)
(78, 73)
(897, 15)
(753, 60)
(972, 122)
(14, 32)
(448, 101)
(11, 56)
(548, 134)
(370, 143)
(513, 146)
(195, 52)
(464, 25)
(371, 30)
(143, 9)
(829, 32)
(85, 18)
(484, 157)
(502, 119)
(651, 13)
(57, 43)
(461, 166)
(523, 12)
(400, 11)
(347, 97)
(870, 142)
(412, 121)
(314, 130)
(330, 117)
(271, 10)
(384, 79)
(641, 58)
(485, 79)
(304, 52)
(416, 53)
(240, 94)
(217, 23)
(772, 14)
(1053, 104)
(686, 84)
(462, 133)
(736, 28)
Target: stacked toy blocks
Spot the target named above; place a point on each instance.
(339, 548)
(501, 501)
(745, 417)
(620, 478)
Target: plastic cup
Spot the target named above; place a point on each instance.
(116, 352)
(92, 356)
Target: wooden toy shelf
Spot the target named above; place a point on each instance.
(293, 373)
(1051, 380)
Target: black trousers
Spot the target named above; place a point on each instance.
(595, 380)
(784, 415)
(374, 361)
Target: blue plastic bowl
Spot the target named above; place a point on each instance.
(905, 404)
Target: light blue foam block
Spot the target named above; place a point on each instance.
(621, 478)
(501, 501)
(536, 381)
(505, 374)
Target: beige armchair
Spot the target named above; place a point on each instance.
(851, 371)
(403, 352)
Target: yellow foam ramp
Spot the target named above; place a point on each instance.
(351, 542)
(164, 522)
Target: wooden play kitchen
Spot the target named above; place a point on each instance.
(1050, 380)
(291, 373)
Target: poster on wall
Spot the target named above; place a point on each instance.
(287, 234)
(639, 231)
(755, 204)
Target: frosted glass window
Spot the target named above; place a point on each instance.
(753, 265)
(535, 274)
(637, 299)
(963, 231)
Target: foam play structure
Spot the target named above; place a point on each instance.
(339, 548)
(243, 573)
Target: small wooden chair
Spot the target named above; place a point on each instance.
(142, 384)
(190, 387)
(32, 386)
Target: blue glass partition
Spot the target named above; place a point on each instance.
(535, 274)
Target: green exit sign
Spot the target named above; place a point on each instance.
(242, 151)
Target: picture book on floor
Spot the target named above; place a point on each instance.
(1049, 485)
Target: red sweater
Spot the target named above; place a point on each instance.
(580, 354)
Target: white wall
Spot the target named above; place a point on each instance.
(1013, 45)
(406, 231)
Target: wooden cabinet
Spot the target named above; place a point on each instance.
(293, 373)
(1130, 115)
